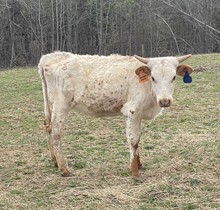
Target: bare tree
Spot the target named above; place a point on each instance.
(41, 27)
(31, 28)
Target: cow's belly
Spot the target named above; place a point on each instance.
(98, 111)
(101, 102)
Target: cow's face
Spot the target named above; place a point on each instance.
(161, 72)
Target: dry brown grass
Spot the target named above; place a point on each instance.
(180, 151)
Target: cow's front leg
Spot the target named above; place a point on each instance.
(133, 132)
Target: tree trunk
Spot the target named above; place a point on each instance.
(12, 36)
(57, 24)
(101, 28)
(69, 26)
(53, 27)
(41, 29)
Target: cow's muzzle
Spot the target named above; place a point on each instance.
(164, 102)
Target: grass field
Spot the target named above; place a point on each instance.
(180, 151)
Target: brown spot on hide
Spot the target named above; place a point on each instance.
(64, 67)
(46, 68)
(132, 112)
(111, 101)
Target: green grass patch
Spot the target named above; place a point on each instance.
(179, 150)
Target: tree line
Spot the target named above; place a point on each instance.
(31, 28)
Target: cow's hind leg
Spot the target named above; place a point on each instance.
(59, 113)
(47, 124)
(133, 132)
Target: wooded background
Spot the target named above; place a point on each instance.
(30, 28)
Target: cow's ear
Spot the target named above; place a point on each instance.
(143, 73)
(183, 69)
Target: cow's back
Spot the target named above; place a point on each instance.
(96, 85)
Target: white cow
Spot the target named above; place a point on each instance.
(136, 87)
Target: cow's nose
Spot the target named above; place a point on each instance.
(164, 102)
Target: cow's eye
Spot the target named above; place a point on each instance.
(153, 79)
(174, 78)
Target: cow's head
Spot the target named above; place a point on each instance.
(162, 73)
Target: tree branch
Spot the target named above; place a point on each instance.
(190, 16)
(33, 31)
(170, 31)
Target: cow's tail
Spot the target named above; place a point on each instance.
(47, 108)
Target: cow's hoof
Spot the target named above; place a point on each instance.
(135, 174)
(55, 164)
(66, 174)
(140, 166)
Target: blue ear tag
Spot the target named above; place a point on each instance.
(187, 78)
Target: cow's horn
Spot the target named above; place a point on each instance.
(141, 59)
(184, 57)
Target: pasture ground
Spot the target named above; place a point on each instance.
(180, 151)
